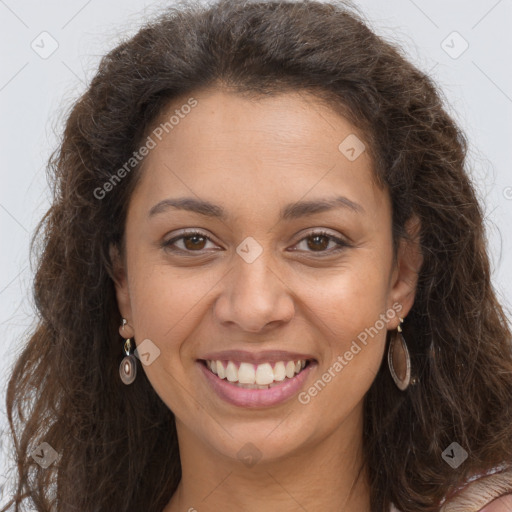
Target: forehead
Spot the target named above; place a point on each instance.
(289, 145)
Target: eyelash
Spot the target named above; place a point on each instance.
(342, 244)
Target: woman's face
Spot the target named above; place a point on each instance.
(262, 180)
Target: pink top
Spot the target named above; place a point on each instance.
(486, 492)
(503, 504)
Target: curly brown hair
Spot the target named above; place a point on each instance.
(118, 450)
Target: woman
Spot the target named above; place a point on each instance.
(263, 283)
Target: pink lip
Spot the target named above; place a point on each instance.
(268, 356)
(256, 397)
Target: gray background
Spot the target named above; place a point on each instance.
(37, 89)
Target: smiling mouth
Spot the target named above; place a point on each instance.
(257, 376)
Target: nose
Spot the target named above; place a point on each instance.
(255, 296)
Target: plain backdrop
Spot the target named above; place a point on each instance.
(50, 51)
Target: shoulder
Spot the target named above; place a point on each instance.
(503, 504)
(488, 493)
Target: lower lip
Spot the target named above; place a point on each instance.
(242, 397)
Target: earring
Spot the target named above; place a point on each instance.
(128, 366)
(399, 360)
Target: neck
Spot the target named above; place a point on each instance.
(326, 476)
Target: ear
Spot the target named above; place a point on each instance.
(120, 283)
(405, 274)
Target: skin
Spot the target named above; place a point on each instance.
(252, 157)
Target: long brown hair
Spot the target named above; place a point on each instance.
(118, 446)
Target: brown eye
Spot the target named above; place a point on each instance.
(319, 242)
(193, 241)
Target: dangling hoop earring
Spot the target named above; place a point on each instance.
(128, 366)
(399, 360)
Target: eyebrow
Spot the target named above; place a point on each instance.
(289, 212)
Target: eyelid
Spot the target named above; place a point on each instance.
(323, 231)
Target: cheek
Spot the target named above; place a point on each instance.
(350, 310)
(169, 304)
(349, 298)
(166, 307)
(163, 294)
(336, 307)
(352, 320)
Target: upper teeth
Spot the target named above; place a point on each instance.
(259, 374)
